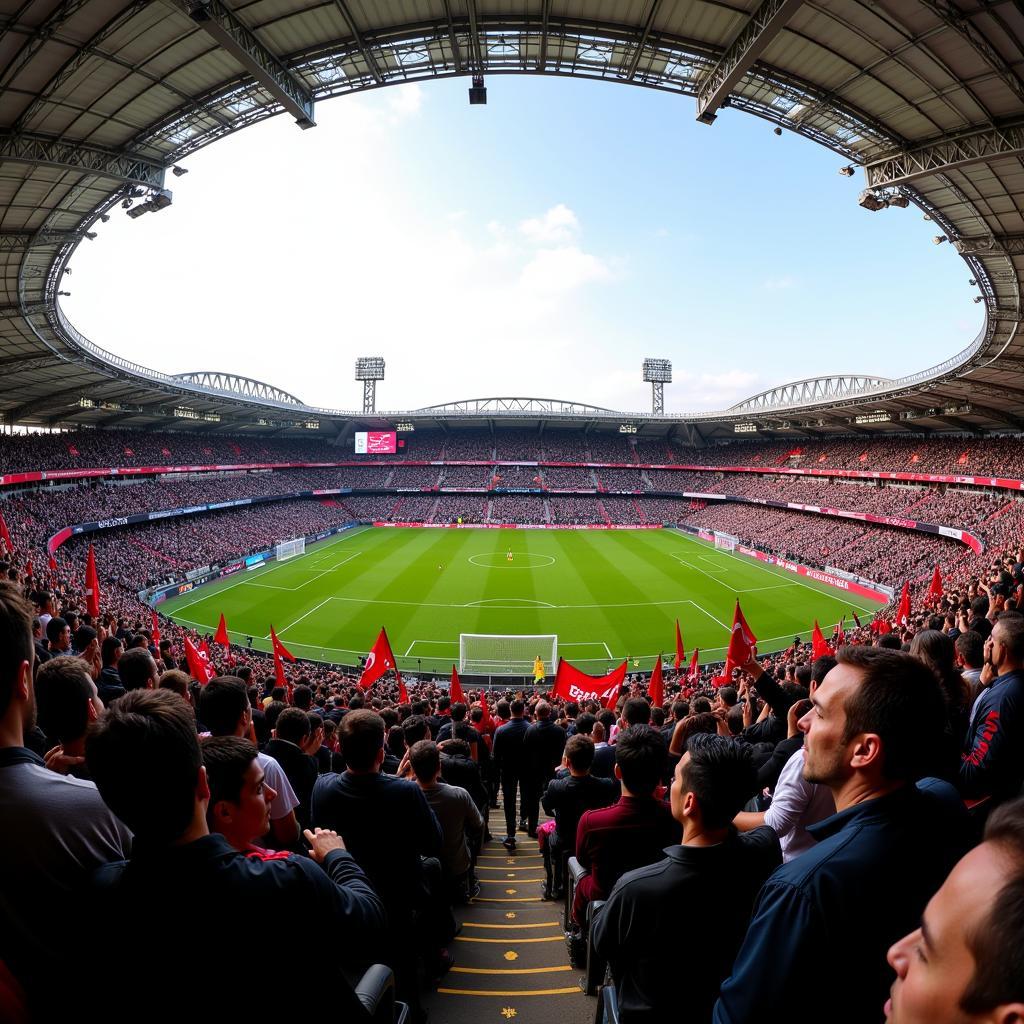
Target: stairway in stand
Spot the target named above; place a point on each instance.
(511, 962)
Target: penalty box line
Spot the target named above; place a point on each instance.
(455, 644)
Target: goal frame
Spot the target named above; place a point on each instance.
(543, 644)
(725, 541)
(285, 549)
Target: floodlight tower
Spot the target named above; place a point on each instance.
(370, 369)
(658, 372)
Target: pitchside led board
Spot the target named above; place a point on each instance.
(376, 442)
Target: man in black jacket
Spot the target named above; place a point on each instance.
(543, 745)
(291, 736)
(709, 881)
(144, 756)
(567, 798)
(510, 762)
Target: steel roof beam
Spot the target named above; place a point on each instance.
(754, 38)
(130, 168)
(18, 241)
(641, 43)
(266, 67)
(991, 245)
(946, 154)
(371, 61)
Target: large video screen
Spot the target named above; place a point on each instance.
(376, 442)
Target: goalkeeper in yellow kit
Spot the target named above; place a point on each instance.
(538, 670)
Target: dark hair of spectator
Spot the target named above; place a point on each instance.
(222, 702)
(585, 723)
(226, 759)
(136, 668)
(15, 640)
(63, 692)
(636, 711)
(176, 681)
(640, 754)
(579, 752)
(143, 755)
(425, 760)
(721, 774)
(292, 725)
(362, 739)
(899, 700)
(414, 729)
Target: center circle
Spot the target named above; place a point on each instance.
(520, 560)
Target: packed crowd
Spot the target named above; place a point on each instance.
(842, 835)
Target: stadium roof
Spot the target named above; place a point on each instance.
(99, 99)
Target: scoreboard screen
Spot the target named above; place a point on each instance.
(376, 442)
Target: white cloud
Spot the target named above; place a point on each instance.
(778, 284)
(405, 100)
(562, 270)
(559, 224)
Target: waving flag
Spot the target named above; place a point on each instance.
(486, 723)
(657, 685)
(5, 535)
(379, 661)
(820, 647)
(693, 675)
(199, 666)
(279, 648)
(456, 690)
(156, 630)
(741, 647)
(680, 650)
(903, 611)
(935, 590)
(92, 586)
(572, 684)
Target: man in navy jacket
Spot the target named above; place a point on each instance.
(815, 949)
(992, 763)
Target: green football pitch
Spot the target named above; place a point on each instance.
(607, 595)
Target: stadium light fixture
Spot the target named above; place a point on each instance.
(847, 171)
(873, 417)
(744, 428)
(404, 428)
(370, 369)
(939, 239)
(972, 282)
(777, 130)
(627, 428)
(477, 92)
(870, 201)
(179, 171)
(657, 373)
(979, 298)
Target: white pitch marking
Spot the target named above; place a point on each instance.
(701, 608)
(281, 632)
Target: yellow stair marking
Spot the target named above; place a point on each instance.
(546, 924)
(574, 991)
(505, 942)
(511, 970)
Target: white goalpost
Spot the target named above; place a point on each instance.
(725, 541)
(290, 548)
(500, 654)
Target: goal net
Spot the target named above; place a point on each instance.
(725, 541)
(291, 548)
(504, 655)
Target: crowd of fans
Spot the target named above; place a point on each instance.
(838, 837)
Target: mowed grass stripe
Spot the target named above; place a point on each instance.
(620, 588)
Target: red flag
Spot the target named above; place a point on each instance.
(199, 666)
(456, 690)
(741, 647)
(279, 676)
(380, 660)
(820, 647)
(53, 564)
(693, 675)
(156, 629)
(903, 611)
(221, 636)
(279, 648)
(5, 534)
(403, 693)
(656, 688)
(680, 650)
(935, 590)
(840, 637)
(572, 684)
(204, 650)
(856, 617)
(28, 568)
(486, 723)
(92, 586)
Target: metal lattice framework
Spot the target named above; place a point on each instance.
(528, 406)
(102, 97)
(812, 391)
(243, 386)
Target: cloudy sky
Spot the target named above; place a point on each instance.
(541, 245)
